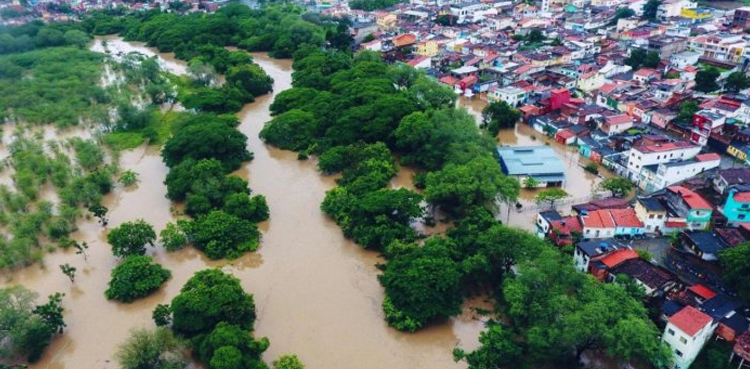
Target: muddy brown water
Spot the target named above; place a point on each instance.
(316, 292)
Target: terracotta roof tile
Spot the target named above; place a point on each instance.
(690, 320)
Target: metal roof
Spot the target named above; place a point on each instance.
(535, 161)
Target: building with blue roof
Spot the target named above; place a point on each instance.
(537, 162)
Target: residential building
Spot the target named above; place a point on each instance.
(590, 251)
(736, 207)
(652, 213)
(719, 46)
(683, 59)
(727, 178)
(690, 206)
(645, 155)
(686, 333)
(658, 176)
(704, 244)
(741, 18)
(513, 96)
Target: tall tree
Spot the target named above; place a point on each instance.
(735, 263)
(550, 195)
(736, 82)
(499, 115)
(705, 80)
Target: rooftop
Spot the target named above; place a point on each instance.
(539, 162)
(690, 320)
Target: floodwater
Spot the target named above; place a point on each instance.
(580, 184)
(316, 292)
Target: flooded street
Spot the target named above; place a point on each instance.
(580, 184)
(316, 292)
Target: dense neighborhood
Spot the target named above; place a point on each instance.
(651, 91)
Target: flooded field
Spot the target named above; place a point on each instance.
(316, 292)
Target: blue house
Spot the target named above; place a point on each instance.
(736, 208)
(537, 162)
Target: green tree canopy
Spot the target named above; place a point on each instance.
(27, 329)
(208, 298)
(210, 140)
(737, 81)
(499, 115)
(222, 235)
(457, 187)
(550, 195)
(423, 284)
(619, 186)
(735, 263)
(705, 80)
(131, 238)
(137, 276)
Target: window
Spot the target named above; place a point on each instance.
(651, 216)
(744, 206)
(670, 331)
(683, 340)
(660, 216)
(678, 352)
(741, 216)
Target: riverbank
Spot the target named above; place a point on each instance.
(316, 292)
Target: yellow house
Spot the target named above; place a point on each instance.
(428, 48)
(590, 81)
(739, 152)
(697, 14)
(386, 21)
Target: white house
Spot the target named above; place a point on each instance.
(654, 178)
(422, 61)
(683, 59)
(686, 333)
(641, 156)
(510, 94)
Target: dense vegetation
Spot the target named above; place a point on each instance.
(357, 114)
(216, 314)
(53, 85)
(370, 5)
(137, 276)
(27, 328)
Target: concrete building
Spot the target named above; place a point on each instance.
(741, 18)
(652, 213)
(683, 59)
(686, 333)
(690, 206)
(658, 176)
(537, 162)
(641, 156)
(719, 46)
(665, 46)
(512, 96)
(736, 207)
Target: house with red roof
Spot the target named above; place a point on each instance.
(736, 207)
(686, 333)
(605, 223)
(600, 267)
(598, 224)
(689, 205)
